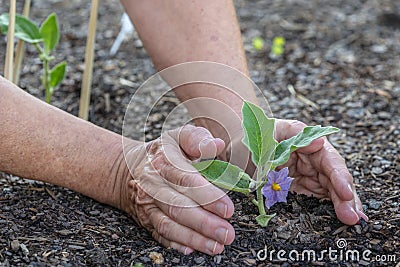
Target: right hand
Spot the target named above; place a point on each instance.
(167, 196)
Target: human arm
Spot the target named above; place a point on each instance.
(41, 142)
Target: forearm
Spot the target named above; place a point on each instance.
(41, 142)
(178, 31)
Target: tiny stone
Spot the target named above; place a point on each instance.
(199, 260)
(378, 227)
(376, 163)
(379, 49)
(364, 263)
(373, 204)
(24, 249)
(250, 262)
(375, 241)
(94, 212)
(217, 259)
(358, 229)
(176, 260)
(363, 223)
(377, 170)
(15, 245)
(284, 235)
(114, 236)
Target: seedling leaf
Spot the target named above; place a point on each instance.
(258, 134)
(24, 28)
(50, 33)
(302, 139)
(57, 74)
(224, 175)
(264, 219)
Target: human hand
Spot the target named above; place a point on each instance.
(168, 197)
(320, 171)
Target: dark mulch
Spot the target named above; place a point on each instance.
(342, 56)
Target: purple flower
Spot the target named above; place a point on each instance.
(277, 187)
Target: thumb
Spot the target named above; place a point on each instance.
(198, 142)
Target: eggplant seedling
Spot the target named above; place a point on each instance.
(266, 154)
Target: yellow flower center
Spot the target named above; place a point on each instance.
(276, 187)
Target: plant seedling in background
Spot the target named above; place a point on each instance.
(266, 154)
(258, 43)
(278, 46)
(45, 40)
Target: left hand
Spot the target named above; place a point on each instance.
(320, 171)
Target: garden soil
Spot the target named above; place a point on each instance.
(340, 67)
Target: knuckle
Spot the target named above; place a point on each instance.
(297, 125)
(191, 239)
(175, 211)
(185, 180)
(204, 224)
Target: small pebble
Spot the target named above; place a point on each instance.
(15, 245)
(24, 249)
(217, 259)
(363, 223)
(377, 170)
(358, 229)
(199, 260)
(94, 212)
(176, 260)
(284, 235)
(378, 227)
(374, 204)
(114, 236)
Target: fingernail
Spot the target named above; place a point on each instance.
(222, 234)
(354, 211)
(350, 189)
(222, 209)
(187, 251)
(211, 245)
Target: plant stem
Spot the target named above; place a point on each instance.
(260, 200)
(46, 72)
(46, 84)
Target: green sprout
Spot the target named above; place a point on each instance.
(45, 40)
(267, 154)
(278, 46)
(258, 43)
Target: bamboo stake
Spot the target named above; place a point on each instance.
(19, 53)
(89, 57)
(8, 68)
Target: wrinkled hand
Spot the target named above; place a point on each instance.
(320, 171)
(168, 197)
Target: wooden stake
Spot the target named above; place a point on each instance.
(89, 58)
(19, 53)
(8, 68)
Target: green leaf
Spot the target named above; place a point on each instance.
(264, 219)
(50, 33)
(57, 74)
(25, 29)
(259, 134)
(302, 139)
(225, 175)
